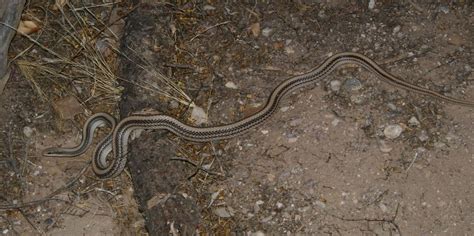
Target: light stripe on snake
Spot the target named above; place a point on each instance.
(118, 141)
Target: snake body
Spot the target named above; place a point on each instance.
(118, 141)
(95, 121)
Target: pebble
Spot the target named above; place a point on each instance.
(396, 29)
(256, 207)
(335, 85)
(296, 122)
(199, 115)
(258, 233)
(413, 122)
(320, 204)
(293, 140)
(223, 212)
(267, 219)
(335, 122)
(266, 32)
(423, 136)
(392, 131)
(357, 99)
(231, 85)
(371, 4)
(439, 145)
(289, 50)
(352, 84)
(279, 205)
(255, 29)
(444, 9)
(28, 131)
(392, 107)
(209, 8)
(284, 109)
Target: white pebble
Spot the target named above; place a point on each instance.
(28, 131)
(293, 140)
(279, 205)
(392, 131)
(231, 85)
(199, 115)
(396, 29)
(208, 8)
(335, 85)
(413, 121)
(266, 32)
(371, 4)
(222, 212)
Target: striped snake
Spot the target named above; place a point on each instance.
(117, 141)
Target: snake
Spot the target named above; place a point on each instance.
(117, 141)
(95, 121)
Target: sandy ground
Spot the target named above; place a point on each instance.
(322, 165)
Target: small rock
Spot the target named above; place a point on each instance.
(258, 233)
(256, 207)
(468, 68)
(255, 29)
(439, 145)
(231, 85)
(28, 131)
(284, 109)
(293, 140)
(296, 122)
(371, 4)
(335, 122)
(267, 219)
(264, 131)
(392, 107)
(289, 50)
(423, 136)
(383, 207)
(49, 221)
(266, 32)
(413, 122)
(335, 85)
(396, 29)
(384, 147)
(199, 116)
(357, 99)
(279, 205)
(392, 131)
(443, 9)
(223, 212)
(209, 8)
(320, 204)
(67, 107)
(352, 84)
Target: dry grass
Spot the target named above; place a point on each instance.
(76, 55)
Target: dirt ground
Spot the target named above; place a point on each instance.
(325, 163)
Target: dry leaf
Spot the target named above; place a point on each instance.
(59, 4)
(255, 29)
(28, 27)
